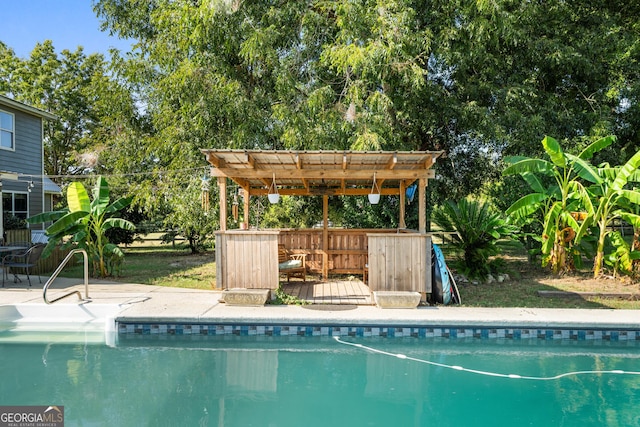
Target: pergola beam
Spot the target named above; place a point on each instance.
(305, 183)
(318, 174)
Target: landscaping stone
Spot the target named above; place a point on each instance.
(246, 297)
(396, 299)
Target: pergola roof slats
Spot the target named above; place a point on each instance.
(321, 172)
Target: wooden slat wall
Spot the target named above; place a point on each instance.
(400, 262)
(221, 242)
(249, 259)
(17, 236)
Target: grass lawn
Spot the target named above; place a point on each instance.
(162, 266)
(175, 266)
(526, 279)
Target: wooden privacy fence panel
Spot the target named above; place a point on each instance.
(304, 241)
(49, 264)
(400, 262)
(346, 249)
(13, 236)
(247, 259)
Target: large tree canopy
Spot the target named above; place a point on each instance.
(476, 78)
(92, 107)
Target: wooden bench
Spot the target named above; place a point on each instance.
(292, 264)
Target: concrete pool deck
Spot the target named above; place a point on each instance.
(153, 304)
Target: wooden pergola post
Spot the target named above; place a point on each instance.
(422, 205)
(401, 222)
(246, 208)
(325, 236)
(222, 185)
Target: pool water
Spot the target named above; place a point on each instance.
(170, 380)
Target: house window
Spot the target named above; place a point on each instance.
(7, 121)
(15, 204)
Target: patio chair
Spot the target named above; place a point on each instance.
(26, 260)
(292, 264)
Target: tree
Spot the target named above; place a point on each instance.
(191, 216)
(86, 222)
(476, 79)
(92, 107)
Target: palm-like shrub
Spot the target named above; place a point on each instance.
(481, 234)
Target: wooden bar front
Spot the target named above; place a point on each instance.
(399, 262)
(247, 259)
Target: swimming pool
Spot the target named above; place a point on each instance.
(170, 380)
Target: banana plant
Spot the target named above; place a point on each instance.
(559, 202)
(610, 201)
(622, 257)
(84, 223)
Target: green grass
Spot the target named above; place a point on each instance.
(163, 266)
(526, 279)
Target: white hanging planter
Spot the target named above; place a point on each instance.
(273, 198)
(273, 195)
(374, 196)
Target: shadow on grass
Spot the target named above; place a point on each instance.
(527, 280)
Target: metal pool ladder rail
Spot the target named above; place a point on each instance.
(59, 269)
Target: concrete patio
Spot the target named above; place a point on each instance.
(147, 303)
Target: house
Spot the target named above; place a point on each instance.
(25, 190)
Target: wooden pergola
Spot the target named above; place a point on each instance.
(310, 173)
(323, 173)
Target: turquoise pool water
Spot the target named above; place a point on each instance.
(317, 381)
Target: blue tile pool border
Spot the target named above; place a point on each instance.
(452, 332)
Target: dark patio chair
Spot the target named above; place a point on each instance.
(25, 260)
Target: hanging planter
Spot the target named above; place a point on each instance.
(374, 196)
(273, 195)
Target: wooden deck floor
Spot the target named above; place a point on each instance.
(342, 292)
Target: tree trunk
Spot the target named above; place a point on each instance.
(597, 262)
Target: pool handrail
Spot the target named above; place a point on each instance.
(59, 269)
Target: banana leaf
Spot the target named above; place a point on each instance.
(100, 197)
(66, 222)
(118, 223)
(529, 165)
(527, 205)
(627, 170)
(593, 148)
(554, 151)
(585, 170)
(77, 198)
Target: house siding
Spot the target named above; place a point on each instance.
(25, 159)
